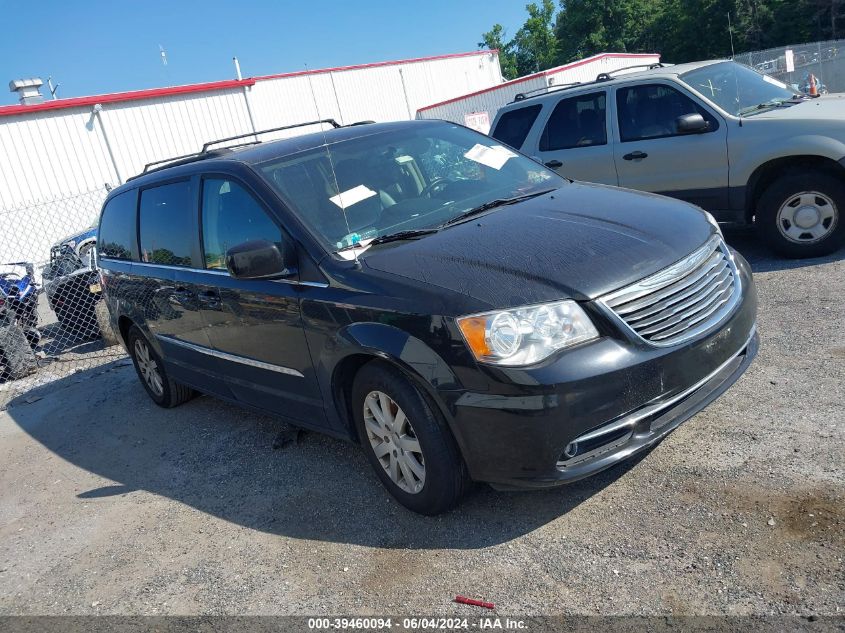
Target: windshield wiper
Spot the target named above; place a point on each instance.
(492, 204)
(409, 234)
(775, 103)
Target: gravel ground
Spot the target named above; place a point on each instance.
(109, 505)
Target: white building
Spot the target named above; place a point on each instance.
(478, 108)
(57, 157)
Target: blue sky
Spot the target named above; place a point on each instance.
(95, 47)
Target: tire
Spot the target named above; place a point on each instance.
(162, 390)
(444, 479)
(16, 356)
(101, 312)
(815, 200)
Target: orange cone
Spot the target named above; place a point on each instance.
(814, 90)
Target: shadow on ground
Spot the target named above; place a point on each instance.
(219, 459)
(762, 260)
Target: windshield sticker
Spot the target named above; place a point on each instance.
(494, 157)
(774, 82)
(352, 253)
(346, 199)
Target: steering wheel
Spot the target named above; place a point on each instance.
(438, 184)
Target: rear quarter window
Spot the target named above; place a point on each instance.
(514, 125)
(117, 227)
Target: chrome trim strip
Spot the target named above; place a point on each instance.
(231, 357)
(647, 411)
(309, 284)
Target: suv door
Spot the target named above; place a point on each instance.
(167, 233)
(573, 140)
(254, 325)
(651, 155)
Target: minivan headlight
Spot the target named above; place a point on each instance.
(522, 336)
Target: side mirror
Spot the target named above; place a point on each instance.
(691, 124)
(257, 259)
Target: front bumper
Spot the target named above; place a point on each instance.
(598, 404)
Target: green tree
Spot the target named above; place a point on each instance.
(680, 30)
(495, 39)
(536, 42)
(533, 48)
(588, 27)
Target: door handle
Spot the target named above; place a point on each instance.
(638, 155)
(554, 164)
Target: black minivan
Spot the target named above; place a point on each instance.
(462, 312)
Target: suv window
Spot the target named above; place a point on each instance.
(514, 126)
(231, 216)
(117, 227)
(166, 224)
(651, 111)
(576, 122)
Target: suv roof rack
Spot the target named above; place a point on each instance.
(609, 74)
(205, 152)
(528, 94)
(331, 122)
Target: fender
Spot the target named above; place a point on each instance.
(745, 163)
(393, 345)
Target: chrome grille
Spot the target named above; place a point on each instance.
(681, 301)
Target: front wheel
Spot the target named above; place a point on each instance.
(800, 215)
(407, 441)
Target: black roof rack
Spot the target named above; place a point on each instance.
(331, 122)
(206, 153)
(609, 75)
(522, 96)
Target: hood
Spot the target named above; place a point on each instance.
(824, 108)
(579, 242)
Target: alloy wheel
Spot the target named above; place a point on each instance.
(807, 217)
(148, 368)
(394, 442)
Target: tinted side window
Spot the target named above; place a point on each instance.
(576, 122)
(514, 126)
(652, 111)
(167, 224)
(231, 216)
(117, 227)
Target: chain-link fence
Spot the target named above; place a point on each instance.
(794, 64)
(52, 320)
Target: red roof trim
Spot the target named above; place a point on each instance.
(414, 60)
(116, 97)
(152, 93)
(543, 73)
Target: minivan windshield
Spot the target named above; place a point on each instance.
(401, 183)
(738, 89)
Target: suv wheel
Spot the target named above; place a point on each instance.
(164, 391)
(407, 441)
(800, 215)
